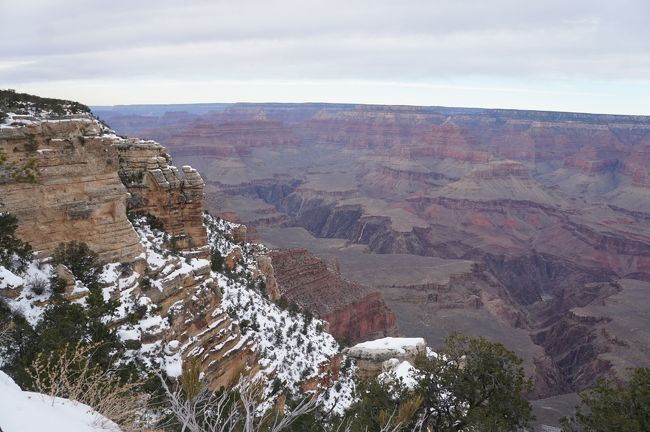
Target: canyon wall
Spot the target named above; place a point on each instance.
(60, 178)
(72, 179)
(80, 182)
(353, 311)
(158, 189)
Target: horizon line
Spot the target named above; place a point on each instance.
(353, 104)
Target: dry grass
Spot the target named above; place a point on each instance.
(72, 375)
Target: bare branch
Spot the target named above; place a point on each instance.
(71, 375)
(242, 407)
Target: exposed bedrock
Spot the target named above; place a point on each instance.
(354, 311)
(72, 179)
(465, 229)
(548, 291)
(326, 218)
(60, 179)
(537, 290)
(160, 189)
(533, 278)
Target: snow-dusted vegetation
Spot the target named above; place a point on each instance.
(18, 106)
(113, 312)
(292, 345)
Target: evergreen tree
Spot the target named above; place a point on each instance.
(473, 384)
(14, 253)
(614, 407)
(80, 260)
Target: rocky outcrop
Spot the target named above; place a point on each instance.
(191, 302)
(265, 268)
(73, 192)
(353, 311)
(159, 189)
(71, 179)
(237, 134)
(370, 356)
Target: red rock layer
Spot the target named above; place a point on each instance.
(353, 311)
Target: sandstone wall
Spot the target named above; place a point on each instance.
(159, 189)
(60, 179)
(73, 179)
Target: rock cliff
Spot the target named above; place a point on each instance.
(159, 189)
(353, 311)
(71, 178)
(60, 178)
(66, 176)
(371, 355)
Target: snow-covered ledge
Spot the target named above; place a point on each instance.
(372, 354)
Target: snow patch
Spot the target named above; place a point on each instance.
(34, 412)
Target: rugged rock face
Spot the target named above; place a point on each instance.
(158, 189)
(172, 304)
(371, 355)
(189, 301)
(353, 311)
(75, 174)
(73, 192)
(73, 179)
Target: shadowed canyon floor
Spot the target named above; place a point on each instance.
(532, 228)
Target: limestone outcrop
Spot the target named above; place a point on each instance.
(371, 355)
(71, 178)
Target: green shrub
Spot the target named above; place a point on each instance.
(486, 380)
(10, 101)
(57, 285)
(614, 407)
(80, 260)
(14, 253)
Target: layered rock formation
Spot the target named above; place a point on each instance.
(353, 311)
(71, 179)
(188, 302)
(158, 189)
(73, 191)
(371, 355)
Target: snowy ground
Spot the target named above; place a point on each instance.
(28, 303)
(26, 411)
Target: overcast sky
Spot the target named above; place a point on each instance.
(570, 55)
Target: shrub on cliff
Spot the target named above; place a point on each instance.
(375, 405)
(14, 253)
(80, 260)
(23, 103)
(614, 407)
(473, 384)
(216, 260)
